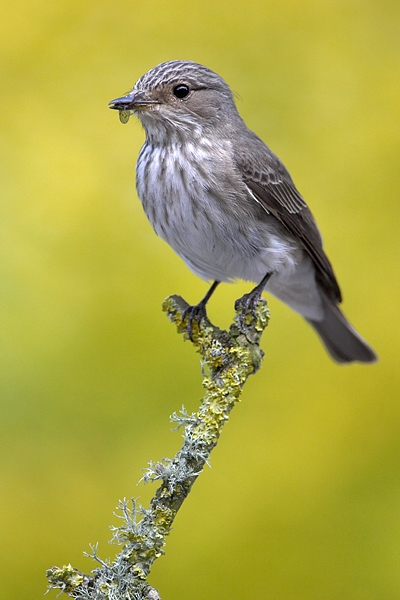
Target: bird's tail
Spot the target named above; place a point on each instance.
(342, 341)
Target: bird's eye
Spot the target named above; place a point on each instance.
(181, 91)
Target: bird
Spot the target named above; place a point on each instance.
(226, 204)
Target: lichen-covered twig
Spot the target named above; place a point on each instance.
(228, 358)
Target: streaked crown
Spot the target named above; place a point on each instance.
(177, 71)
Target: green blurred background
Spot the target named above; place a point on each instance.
(303, 498)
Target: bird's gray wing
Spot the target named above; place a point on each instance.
(271, 185)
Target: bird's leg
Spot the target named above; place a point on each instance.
(198, 311)
(249, 301)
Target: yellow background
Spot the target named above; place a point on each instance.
(303, 498)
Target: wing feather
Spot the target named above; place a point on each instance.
(271, 185)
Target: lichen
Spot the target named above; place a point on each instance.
(227, 360)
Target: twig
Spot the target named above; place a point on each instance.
(228, 358)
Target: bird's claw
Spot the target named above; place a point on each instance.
(194, 314)
(247, 304)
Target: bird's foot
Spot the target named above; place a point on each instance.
(248, 303)
(197, 312)
(194, 314)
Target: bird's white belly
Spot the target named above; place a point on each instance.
(214, 239)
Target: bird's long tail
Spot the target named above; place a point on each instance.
(342, 341)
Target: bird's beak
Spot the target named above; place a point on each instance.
(135, 100)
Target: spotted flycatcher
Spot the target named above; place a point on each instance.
(227, 205)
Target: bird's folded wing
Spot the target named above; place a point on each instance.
(273, 188)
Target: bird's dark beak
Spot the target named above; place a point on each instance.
(135, 100)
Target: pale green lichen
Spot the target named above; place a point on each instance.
(228, 358)
(67, 578)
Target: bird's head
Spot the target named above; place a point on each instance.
(179, 98)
